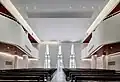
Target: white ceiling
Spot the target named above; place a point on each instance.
(59, 29)
(62, 26)
(57, 5)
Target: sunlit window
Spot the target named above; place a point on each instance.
(60, 58)
(72, 62)
(47, 58)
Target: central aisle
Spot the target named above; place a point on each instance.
(59, 76)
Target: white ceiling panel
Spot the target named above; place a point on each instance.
(59, 19)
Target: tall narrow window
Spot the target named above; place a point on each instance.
(60, 58)
(72, 62)
(47, 57)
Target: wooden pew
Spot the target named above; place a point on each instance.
(97, 78)
(88, 74)
(32, 74)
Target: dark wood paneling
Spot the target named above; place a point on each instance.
(32, 40)
(5, 11)
(116, 9)
(113, 48)
(11, 49)
(87, 40)
(108, 49)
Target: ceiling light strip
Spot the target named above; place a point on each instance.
(11, 8)
(106, 10)
(49, 42)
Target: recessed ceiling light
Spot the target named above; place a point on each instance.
(26, 6)
(70, 6)
(84, 7)
(34, 7)
(8, 47)
(92, 7)
(111, 47)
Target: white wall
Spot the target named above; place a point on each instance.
(34, 63)
(85, 63)
(17, 62)
(77, 53)
(11, 31)
(84, 53)
(116, 59)
(3, 59)
(94, 62)
(102, 62)
(65, 52)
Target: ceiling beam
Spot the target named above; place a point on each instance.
(106, 10)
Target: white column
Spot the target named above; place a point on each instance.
(15, 62)
(105, 60)
(25, 59)
(101, 62)
(94, 62)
